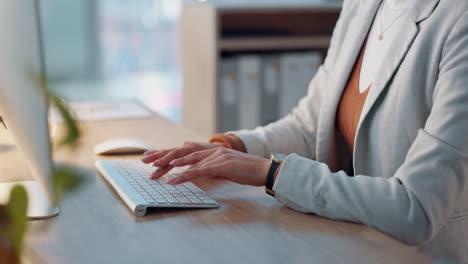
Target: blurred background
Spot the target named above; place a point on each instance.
(115, 49)
(210, 65)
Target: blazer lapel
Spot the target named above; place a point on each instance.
(346, 58)
(391, 64)
(418, 11)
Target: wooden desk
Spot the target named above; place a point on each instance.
(95, 226)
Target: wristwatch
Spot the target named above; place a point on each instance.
(276, 160)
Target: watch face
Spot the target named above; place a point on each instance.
(278, 157)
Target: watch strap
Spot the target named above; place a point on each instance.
(270, 180)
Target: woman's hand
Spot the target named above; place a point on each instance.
(162, 158)
(222, 163)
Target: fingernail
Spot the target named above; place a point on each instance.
(153, 174)
(173, 162)
(156, 162)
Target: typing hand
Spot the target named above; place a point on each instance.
(162, 158)
(222, 163)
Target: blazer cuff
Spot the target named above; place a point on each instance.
(288, 190)
(253, 144)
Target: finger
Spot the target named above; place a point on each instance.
(154, 156)
(160, 172)
(216, 158)
(197, 173)
(173, 154)
(209, 161)
(149, 152)
(213, 159)
(193, 158)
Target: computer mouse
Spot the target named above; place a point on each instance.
(122, 146)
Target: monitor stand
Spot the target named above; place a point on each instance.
(39, 205)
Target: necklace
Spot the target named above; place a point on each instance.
(382, 31)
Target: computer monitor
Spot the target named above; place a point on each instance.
(22, 105)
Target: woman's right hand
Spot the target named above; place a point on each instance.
(162, 158)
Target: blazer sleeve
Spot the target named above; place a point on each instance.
(417, 201)
(296, 132)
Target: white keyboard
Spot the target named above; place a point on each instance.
(130, 180)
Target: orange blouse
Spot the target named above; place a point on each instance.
(351, 104)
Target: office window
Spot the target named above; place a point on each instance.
(115, 49)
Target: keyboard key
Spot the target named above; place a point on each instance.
(172, 200)
(209, 201)
(196, 201)
(184, 200)
(161, 201)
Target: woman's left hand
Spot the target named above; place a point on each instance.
(222, 163)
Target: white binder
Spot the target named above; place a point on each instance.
(297, 70)
(249, 88)
(228, 96)
(270, 88)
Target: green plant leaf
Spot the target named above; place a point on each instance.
(73, 132)
(66, 179)
(17, 208)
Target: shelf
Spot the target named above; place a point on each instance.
(248, 5)
(274, 10)
(273, 43)
(213, 29)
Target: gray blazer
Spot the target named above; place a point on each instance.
(411, 147)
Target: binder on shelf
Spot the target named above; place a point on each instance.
(228, 95)
(297, 70)
(249, 69)
(270, 88)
